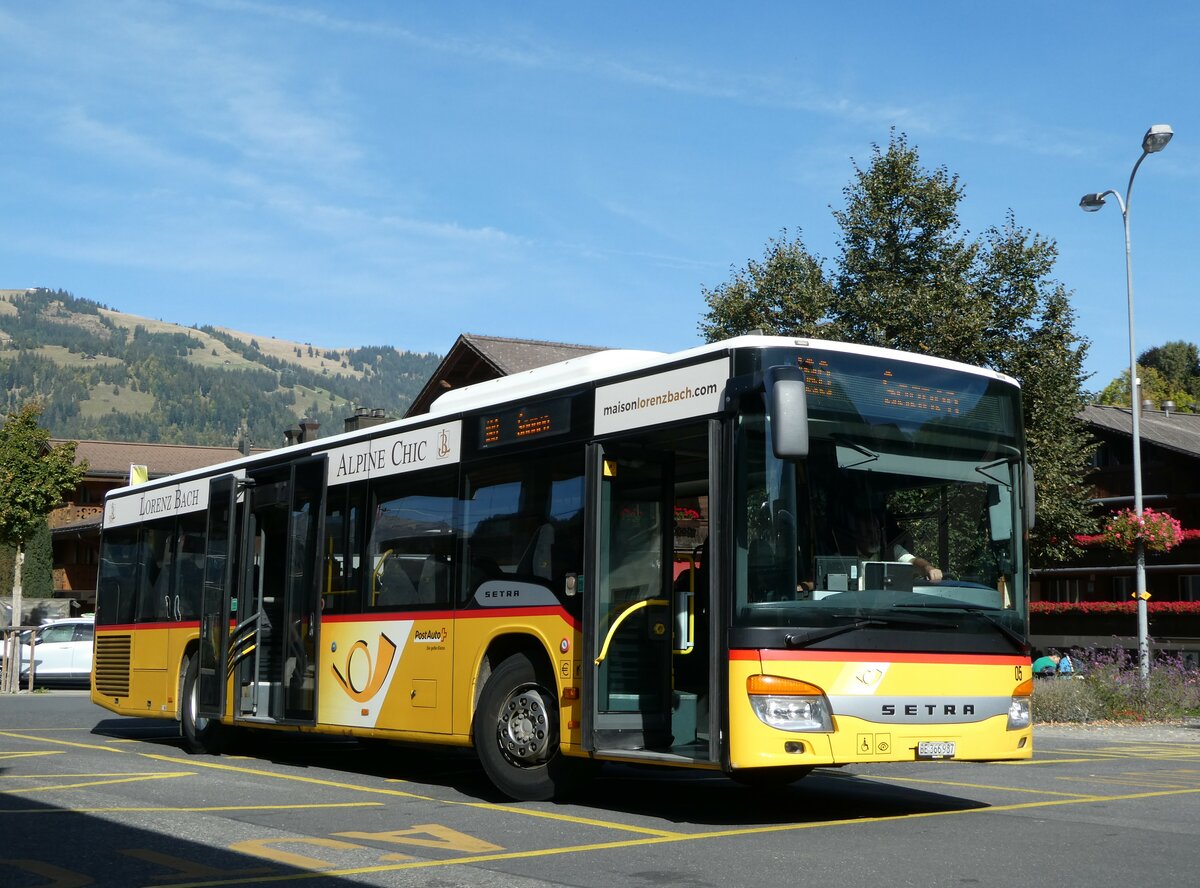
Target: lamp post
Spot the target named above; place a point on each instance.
(1155, 140)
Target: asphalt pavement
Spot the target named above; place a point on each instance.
(88, 798)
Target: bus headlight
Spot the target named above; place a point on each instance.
(1020, 712)
(788, 704)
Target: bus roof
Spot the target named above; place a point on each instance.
(586, 369)
(617, 362)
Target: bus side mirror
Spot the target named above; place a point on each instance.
(1030, 498)
(787, 407)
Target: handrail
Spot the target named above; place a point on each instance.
(625, 614)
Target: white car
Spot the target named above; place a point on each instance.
(62, 652)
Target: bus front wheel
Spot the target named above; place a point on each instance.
(516, 732)
(200, 734)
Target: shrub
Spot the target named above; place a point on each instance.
(1108, 687)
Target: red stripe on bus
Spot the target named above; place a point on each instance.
(494, 613)
(878, 657)
(130, 627)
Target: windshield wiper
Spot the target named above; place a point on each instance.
(805, 639)
(980, 611)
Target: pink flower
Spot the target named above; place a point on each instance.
(1158, 531)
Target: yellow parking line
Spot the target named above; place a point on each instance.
(197, 809)
(1074, 795)
(1154, 751)
(58, 742)
(91, 774)
(1120, 781)
(354, 787)
(661, 840)
(258, 772)
(135, 779)
(567, 818)
(5, 756)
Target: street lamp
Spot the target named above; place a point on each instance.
(1155, 140)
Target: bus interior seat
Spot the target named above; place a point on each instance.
(538, 556)
(432, 585)
(395, 587)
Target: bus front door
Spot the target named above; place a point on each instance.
(272, 648)
(648, 678)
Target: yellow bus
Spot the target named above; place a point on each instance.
(754, 557)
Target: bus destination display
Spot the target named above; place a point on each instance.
(524, 423)
(879, 389)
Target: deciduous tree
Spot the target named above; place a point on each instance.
(33, 478)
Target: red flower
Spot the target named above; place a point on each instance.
(1113, 607)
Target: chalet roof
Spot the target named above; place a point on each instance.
(112, 459)
(474, 358)
(1172, 431)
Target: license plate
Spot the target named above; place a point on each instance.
(935, 749)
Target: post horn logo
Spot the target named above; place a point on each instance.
(869, 676)
(362, 678)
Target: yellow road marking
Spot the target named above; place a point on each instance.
(35, 789)
(1073, 795)
(90, 774)
(1143, 750)
(199, 809)
(679, 837)
(487, 806)
(5, 756)
(58, 742)
(1129, 780)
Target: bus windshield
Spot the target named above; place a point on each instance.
(906, 514)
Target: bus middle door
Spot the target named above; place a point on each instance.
(273, 645)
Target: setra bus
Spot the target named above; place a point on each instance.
(756, 557)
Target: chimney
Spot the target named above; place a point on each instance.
(290, 437)
(365, 417)
(308, 430)
(1167, 407)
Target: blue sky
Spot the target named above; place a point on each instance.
(397, 173)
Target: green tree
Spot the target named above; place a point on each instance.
(1178, 362)
(33, 478)
(1153, 387)
(908, 278)
(784, 293)
(1169, 372)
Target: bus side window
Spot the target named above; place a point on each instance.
(341, 580)
(154, 571)
(117, 582)
(413, 541)
(189, 566)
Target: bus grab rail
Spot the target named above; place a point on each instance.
(625, 614)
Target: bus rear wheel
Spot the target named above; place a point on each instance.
(200, 734)
(516, 733)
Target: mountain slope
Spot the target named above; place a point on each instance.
(108, 375)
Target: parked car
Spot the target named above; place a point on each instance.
(62, 652)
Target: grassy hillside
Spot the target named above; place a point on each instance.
(105, 374)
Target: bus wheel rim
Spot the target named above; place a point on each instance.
(523, 728)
